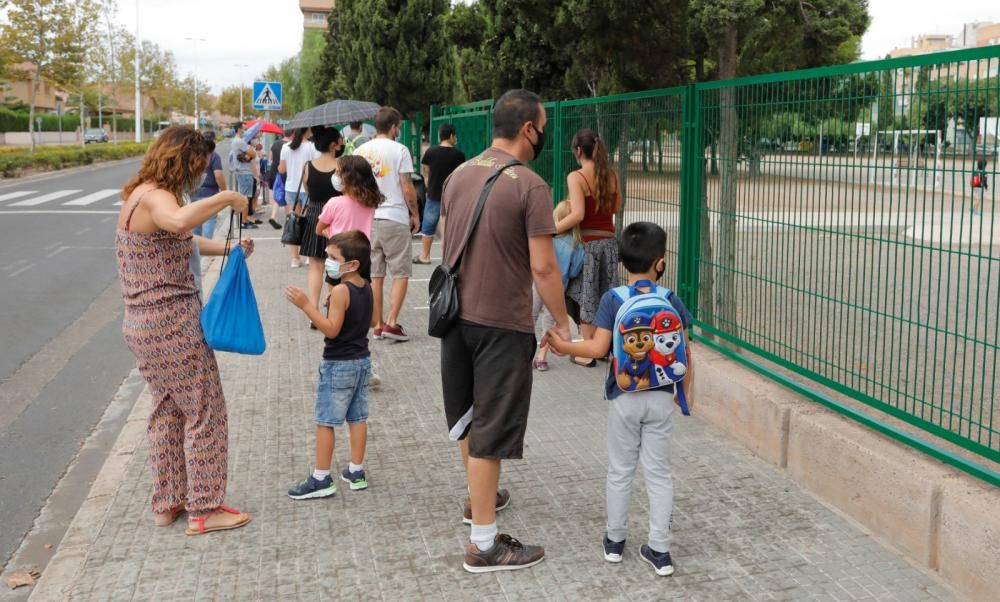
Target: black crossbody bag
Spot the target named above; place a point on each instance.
(443, 286)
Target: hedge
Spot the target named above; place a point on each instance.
(49, 159)
(16, 121)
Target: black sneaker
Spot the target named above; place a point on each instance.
(659, 560)
(274, 224)
(613, 550)
(356, 479)
(503, 500)
(507, 554)
(312, 489)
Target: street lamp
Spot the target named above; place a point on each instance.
(197, 116)
(241, 66)
(138, 96)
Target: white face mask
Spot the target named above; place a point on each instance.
(334, 269)
(337, 182)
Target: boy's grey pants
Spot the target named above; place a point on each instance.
(640, 426)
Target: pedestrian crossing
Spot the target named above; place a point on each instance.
(75, 200)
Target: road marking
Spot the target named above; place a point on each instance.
(20, 270)
(420, 279)
(57, 212)
(81, 231)
(14, 195)
(11, 266)
(424, 307)
(45, 198)
(93, 198)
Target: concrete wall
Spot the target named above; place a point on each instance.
(939, 517)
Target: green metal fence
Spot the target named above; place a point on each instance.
(823, 220)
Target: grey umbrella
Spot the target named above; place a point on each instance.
(334, 113)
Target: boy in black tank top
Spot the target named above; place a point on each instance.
(342, 393)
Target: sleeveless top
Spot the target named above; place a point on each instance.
(154, 268)
(595, 225)
(320, 185)
(352, 342)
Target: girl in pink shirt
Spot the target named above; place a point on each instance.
(355, 209)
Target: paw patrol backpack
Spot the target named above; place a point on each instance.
(648, 347)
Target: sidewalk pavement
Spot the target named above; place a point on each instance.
(742, 529)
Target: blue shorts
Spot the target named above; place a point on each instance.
(342, 393)
(432, 214)
(291, 198)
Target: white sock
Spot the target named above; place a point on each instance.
(319, 475)
(484, 535)
(351, 466)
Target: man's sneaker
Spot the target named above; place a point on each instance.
(503, 500)
(311, 489)
(613, 550)
(374, 380)
(356, 479)
(507, 554)
(394, 333)
(377, 333)
(660, 560)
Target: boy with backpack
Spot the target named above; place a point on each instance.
(646, 325)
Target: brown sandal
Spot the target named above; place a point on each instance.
(165, 519)
(196, 524)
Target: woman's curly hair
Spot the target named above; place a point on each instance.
(359, 181)
(175, 162)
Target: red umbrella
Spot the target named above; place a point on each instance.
(267, 127)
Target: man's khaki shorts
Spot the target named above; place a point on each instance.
(391, 247)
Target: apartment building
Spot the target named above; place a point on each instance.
(315, 13)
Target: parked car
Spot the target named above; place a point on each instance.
(94, 135)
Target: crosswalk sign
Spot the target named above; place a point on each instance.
(267, 96)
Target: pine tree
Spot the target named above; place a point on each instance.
(392, 52)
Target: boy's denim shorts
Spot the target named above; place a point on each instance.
(342, 393)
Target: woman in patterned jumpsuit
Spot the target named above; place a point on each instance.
(188, 425)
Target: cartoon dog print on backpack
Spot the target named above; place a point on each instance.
(636, 371)
(668, 355)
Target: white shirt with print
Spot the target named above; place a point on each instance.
(389, 159)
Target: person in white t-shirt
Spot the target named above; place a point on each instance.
(293, 159)
(396, 220)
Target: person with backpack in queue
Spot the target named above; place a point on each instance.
(651, 367)
(979, 181)
(355, 134)
(436, 165)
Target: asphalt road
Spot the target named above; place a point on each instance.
(62, 357)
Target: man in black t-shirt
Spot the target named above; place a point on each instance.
(437, 164)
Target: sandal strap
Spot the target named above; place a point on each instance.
(199, 521)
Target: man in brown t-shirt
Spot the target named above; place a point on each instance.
(486, 357)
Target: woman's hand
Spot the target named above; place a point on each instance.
(247, 245)
(237, 201)
(296, 296)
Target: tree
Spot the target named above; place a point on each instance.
(758, 36)
(310, 80)
(526, 47)
(466, 28)
(229, 100)
(45, 34)
(610, 43)
(392, 52)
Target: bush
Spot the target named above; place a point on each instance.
(17, 121)
(12, 163)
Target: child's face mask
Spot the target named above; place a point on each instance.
(335, 269)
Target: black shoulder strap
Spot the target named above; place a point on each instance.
(487, 187)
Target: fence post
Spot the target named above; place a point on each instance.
(418, 123)
(558, 180)
(689, 238)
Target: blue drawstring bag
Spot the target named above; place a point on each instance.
(230, 319)
(279, 190)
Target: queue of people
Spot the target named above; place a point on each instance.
(521, 259)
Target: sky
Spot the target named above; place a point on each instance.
(234, 30)
(895, 22)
